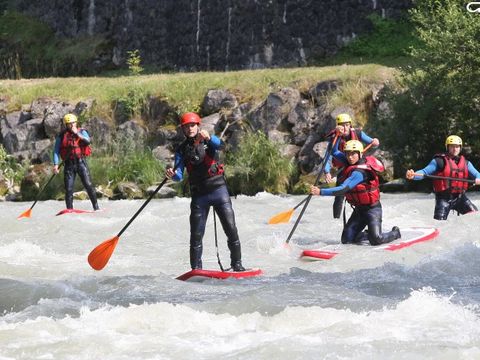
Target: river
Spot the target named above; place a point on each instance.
(421, 302)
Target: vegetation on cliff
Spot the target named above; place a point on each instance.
(438, 93)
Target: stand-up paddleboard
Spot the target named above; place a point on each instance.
(410, 236)
(74, 211)
(201, 275)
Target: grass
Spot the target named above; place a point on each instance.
(186, 91)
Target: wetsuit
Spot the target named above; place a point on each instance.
(360, 187)
(208, 188)
(354, 135)
(450, 195)
(72, 150)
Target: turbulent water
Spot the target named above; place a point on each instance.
(420, 302)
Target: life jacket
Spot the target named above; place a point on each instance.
(451, 169)
(354, 135)
(367, 192)
(201, 161)
(72, 147)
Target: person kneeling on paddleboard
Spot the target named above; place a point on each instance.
(72, 145)
(360, 185)
(451, 173)
(199, 154)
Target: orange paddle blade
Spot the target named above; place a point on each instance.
(99, 256)
(27, 214)
(283, 217)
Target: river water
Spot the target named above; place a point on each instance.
(421, 302)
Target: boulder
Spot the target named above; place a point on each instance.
(128, 190)
(100, 132)
(80, 195)
(218, 100)
(163, 154)
(273, 112)
(53, 117)
(322, 89)
(210, 122)
(164, 193)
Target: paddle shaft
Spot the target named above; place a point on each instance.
(44, 187)
(143, 206)
(472, 181)
(318, 179)
(309, 197)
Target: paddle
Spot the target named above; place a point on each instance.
(285, 216)
(99, 256)
(28, 213)
(472, 181)
(309, 197)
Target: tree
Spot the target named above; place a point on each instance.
(440, 91)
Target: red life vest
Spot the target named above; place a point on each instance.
(72, 147)
(201, 161)
(367, 192)
(451, 169)
(354, 135)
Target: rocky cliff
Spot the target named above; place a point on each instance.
(214, 34)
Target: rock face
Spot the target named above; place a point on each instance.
(298, 121)
(215, 34)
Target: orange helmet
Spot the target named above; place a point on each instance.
(189, 118)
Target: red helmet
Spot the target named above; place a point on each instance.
(189, 118)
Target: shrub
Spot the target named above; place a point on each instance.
(133, 62)
(10, 168)
(125, 161)
(258, 166)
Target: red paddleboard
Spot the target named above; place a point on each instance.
(410, 236)
(200, 275)
(75, 211)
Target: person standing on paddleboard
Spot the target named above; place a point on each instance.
(72, 145)
(449, 194)
(345, 133)
(360, 186)
(199, 154)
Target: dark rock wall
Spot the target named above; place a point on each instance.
(215, 34)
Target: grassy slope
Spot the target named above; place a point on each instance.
(186, 90)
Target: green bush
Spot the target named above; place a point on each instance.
(439, 92)
(133, 61)
(258, 166)
(10, 168)
(124, 161)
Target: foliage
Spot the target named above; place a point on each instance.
(133, 102)
(29, 48)
(258, 166)
(126, 161)
(10, 168)
(439, 94)
(388, 38)
(133, 62)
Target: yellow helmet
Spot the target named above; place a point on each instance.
(453, 140)
(343, 118)
(353, 145)
(69, 118)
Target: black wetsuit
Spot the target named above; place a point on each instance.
(208, 188)
(72, 167)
